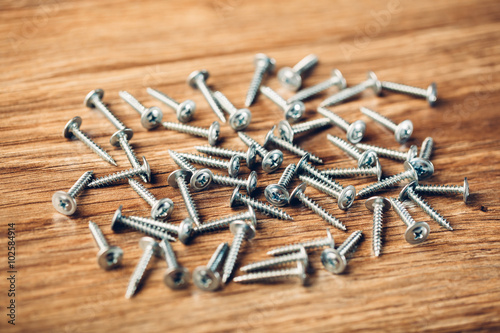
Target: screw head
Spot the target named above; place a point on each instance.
(403, 131)
(99, 93)
(115, 138)
(146, 242)
(272, 161)
(251, 182)
(370, 203)
(299, 189)
(346, 197)
(277, 195)
(378, 169)
(333, 261)
(186, 231)
(110, 257)
(238, 225)
(176, 278)
(466, 189)
(151, 117)
(417, 233)
(412, 152)
(147, 169)
(253, 217)
(289, 79)
(115, 221)
(367, 159)
(424, 168)
(75, 122)
(201, 179)
(302, 162)
(432, 94)
(408, 166)
(261, 58)
(234, 200)
(356, 131)
(301, 267)
(336, 74)
(285, 130)
(330, 238)
(191, 80)
(185, 111)
(269, 136)
(162, 209)
(171, 180)
(213, 133)
(294, 111)
(234, 166)
(377, 85)
(403, 195)
(64, 203)
(206, 279)
(251, 156)
(240, 119)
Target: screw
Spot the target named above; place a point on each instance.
(178, 179)
(263, 64)
(250, 183)
(335, 261)
(293, 111)
(184, 231)
(352, 172)
(184, 111)
(239, 119)
(197, 80)
(445, 189)
(277, 194)
(402, 131)
(354, 131)
(150, 117)
(249, 156)
(150, 248)
(73, 128)
(430, 94)
(408, 193)
(65, 203)
(108, 257)
(241, 231)
(211, 133)
(160, 209)
(417, 232)
(290, 78)
(336, 79)
(286, 145)
(299, 195)
(277, 261)
(371, 82)
(222, 223)
(121, 138)
(200, 179)
(426, 149)
(311, 244)
(377, 205)
(241, 199)
(144, 170)
(207, 278)
(345, 196)
(287, 132)
(365, 159)
(268, 276)
(390, 153)
(93, 100)
(176, 276)
(232, 166)
(271, 160)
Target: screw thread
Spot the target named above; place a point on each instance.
(264, 208)
(351, 243)
(404, 89)
(268, 275)
(92, 145)
(181, 161)
(205, 160)
(439, 189)
(320, 211)
(350, 172)
(294, 149)
(377, 229)
(107, 113)
(386, 183)
(426, 149)
(228, 181)
(311, 244)
(233, 255)
(258, 75)
(334, 118)
(168, 227)
(320, 185)
(98, 236)
(222, 223)
(147, 229)
(316, 89)
(200, 82)
(129, 151)
(117, 176)
(261, 151)
(218, 257)
(80, 184)
(169, 253)
(287, 175)
(224, 103)
(379, 118)
(320, 176)
(162, 97)
(143, 192)
(188, 200)
(402, 212)
(189, 129)
(307, 63)
(345, 146)
(428, 209)
(310, 125)
(394, 154)
(274, 97)
(281, 260)
(132, 101)
(139, 270)
(347, 93)
(221, 152)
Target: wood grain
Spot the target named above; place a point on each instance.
(54, 52)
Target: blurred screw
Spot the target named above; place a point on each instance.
(430, 94)
(184, 110)
(241, 199)
(311, 244)
(371, 82)
(365, 159)
(354, 131)
(291, 78)
(241, 231)
(263, 64)
(336, 79)
(353, 172)
(426, 149)
(335, 261)
(150, 117)
(160, 209)
(287, 132)
(178, 179)
(390, 153)
(277, 261)
(108, 257)
(150, 248)
(249, 156)
(293, 111)
(212, 133)
(197, 80)
(222, 223)
(270, 276)
(417, 232)
(207, 277)
(176, 276)
(200, 179)
(271, 160)
(239, 119)
(286, 145)
(250, 183)
(445, 189)
(232, 166)
(143, 170)
(402, 131)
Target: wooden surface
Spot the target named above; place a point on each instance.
(54, 53)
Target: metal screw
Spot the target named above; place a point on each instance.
(241, 199)
(249, 156)
(178, 179)
(93, 100)
(390, 153)
(365, 159)
(250, 183)
(371, 82)
(277, 194)
(222, 223)
(290, 78)
(72, 128)
(445, 189)
(293, 111)
(65, 203)
(184, 111)
(200, 179)
(271, 160)
(402, 131)
(160, 209)
(286, 145)
(268, 276)
(304, 168)
(207, 278)
(426, 149)
(287, 132)
(239, 119)
(335, 261)
(336, 79)
(143, 170)
(408, 193)
(241, 231)
(212, 133)
(354, 131)
(232, 166)
(345, 196)
(197, 81)
(121, 138)
(353, 172)
(377, 205)
(184, 231)
(150, 248)
(311, 244)
(277, 261)
(108, 257)
(150, 117)
(417, 232)
(263, 64)
(176, 276)
(430, 94)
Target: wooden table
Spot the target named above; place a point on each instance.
(54, 53)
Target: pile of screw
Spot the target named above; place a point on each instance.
(243, 225)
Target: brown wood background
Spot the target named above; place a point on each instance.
(54, 52)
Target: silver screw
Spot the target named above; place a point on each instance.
(271, 160)
(335, 261)
(311, 244)
(286, 145)
(263, 64)
(277, 261)
(72, 128)
(354, 131)
(293, 111)
(390, 153)
(150, 248)
(249, 156)
(65, 203)
(353, 172)
(303, 168)
(108, 257)
(336, 79)
(445, 189)
(239, 119)
(299, 195)
(377, 205)
(277, 194)
(184, 111)
(212, 133)
(430, 94)
(150, 117)
(345, 196)
(197, 81)
(121, 138)
(178, 179)
(365, 159)
(241, 199)
(269, 276)
(176, 276)
(200, 179)
(408, 193)
(143, 170)
(371, 82)
(417, 232)
(93, 100)
(241, 231)
(291, 78)
(402, 131)
(224, 222)
(287, 132)
(250, 183)
(207, 278)
(184, 231)
(160, 209)
(232, 166)
(426, 149)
